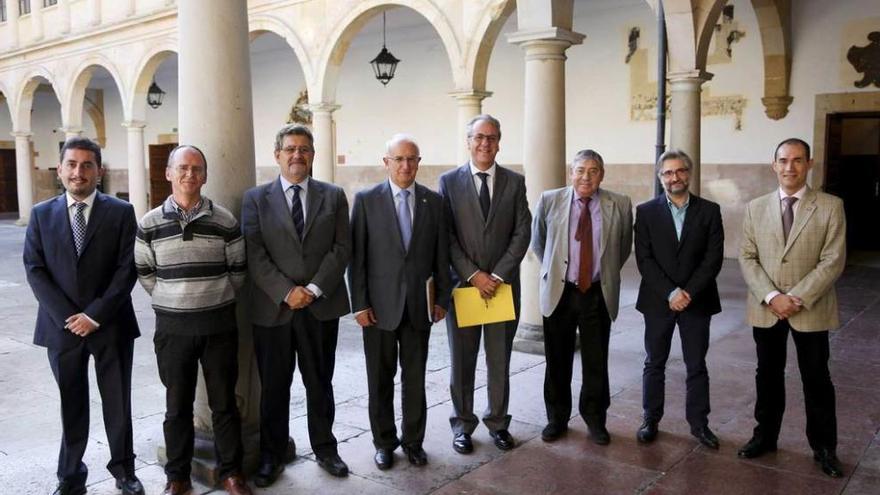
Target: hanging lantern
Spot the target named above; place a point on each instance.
(385, 63)
(155, 95)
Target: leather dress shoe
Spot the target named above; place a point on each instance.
(829, 462)
(416, 455)
(599, 434)
(647, 432)
(756, 447)
(235, 485)
(178, 488)
(267, 473)
(384, 459)
(334, 465)
(68, 488)
(553, 432)
(290, 452)
(706, 437)
(462, 443)
(503, 439)
(130, 485)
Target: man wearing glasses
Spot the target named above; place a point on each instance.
(679, 242)
(298, 245)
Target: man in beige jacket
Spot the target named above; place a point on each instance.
(792, 252)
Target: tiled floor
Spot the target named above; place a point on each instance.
(675, 463)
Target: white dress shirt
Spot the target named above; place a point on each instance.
(87, 212)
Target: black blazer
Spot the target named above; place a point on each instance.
(98, 283)
(383, 275)
(691, 263)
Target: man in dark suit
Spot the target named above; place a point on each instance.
(679, 250)
(400, 246)
(298, 246)
(488, 217)
(79, 258)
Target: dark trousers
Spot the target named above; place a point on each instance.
(178, 358)
(277, 349)
(586, 313)
(812, 355)
(113, 373)
(694, 333)
(382, 348)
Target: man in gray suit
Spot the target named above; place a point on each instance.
(488, 217)
(582, 235)
(298, 246)
(400, 246)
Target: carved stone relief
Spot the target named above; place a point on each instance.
(866, 60)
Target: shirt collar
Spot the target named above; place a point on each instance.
(593, 198)
(475, 170)
(285, 184)
(89, 201)
(799, 195)
(395, 189)
(196, 208)
(673, 205)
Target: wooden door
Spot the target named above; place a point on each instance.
(159, 186)
(8, 183)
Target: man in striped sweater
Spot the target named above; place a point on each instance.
(190, 257)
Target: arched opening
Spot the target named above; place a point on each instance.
(8, 180)
(39, 112)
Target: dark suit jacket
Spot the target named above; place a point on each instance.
(383, 275)
(667, 263)
(278, 259)
(98, 283)
(495, 245)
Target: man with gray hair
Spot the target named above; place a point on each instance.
(400, 254)
(679, 250)
(582, 235)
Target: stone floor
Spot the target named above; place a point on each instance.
(30, 425)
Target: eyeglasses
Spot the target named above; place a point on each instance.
(185, 169)
(302, 150)
(404, 159)
(491, 138)
(667, 174)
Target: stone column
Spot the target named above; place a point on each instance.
(95, 12)
(137, 173)
(71, 132)
(685, 108)
(64, 11)
(324, 129)
(12, 16)
(220, 123)
(470, 104)
(24, 170)
(544, 160)
(36, 20)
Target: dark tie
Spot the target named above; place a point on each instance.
(296, 210)
(584, 236)
(484, 194)
(787, 216)
(79, 227)
(404, 219)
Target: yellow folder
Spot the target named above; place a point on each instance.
(471, 309)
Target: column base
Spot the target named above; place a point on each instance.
(529, 339)
(204, 462)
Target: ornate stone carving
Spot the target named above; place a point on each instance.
(299, 112)
(727, 33)
(632, 43)
(866, 59)
(776, 107)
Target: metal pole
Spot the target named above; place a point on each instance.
(660, 146)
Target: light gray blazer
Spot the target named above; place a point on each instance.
(550, 244)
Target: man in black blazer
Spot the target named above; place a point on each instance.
(489, 231)
(679, 243)
(400, 246)
(298, 245)
(79, 258)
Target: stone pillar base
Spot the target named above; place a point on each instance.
(529, 339)
(204, 463)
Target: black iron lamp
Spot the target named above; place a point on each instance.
(385, 63)
(155, 95)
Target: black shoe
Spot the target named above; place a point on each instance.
(68, 488)
(599, 435)
(462, 443)
(553, 432)
(829, 462)
(756, 447)
(267, 473)
(334, 465)
(503, 439)
(706, 437)
(290, 452)
(647, 432)
(130, 485)
(384, 459)
(416, 455)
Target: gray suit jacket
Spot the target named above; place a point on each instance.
(550, 244)
(386, 277)
(278, 259)
(806, 266)
(495, 245)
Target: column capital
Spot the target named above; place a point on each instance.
(551, 35)
(470, 95)
(133, 125)
(68, 130)
(323, 107)
(21, 134)
(776, 107)
(695, 76)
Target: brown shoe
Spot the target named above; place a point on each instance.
(178, 488)
(235, 485)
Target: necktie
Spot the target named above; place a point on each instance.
(79, 227)
(404, 218)
(787, 215)
(296, 210)
(584, 236)
(484, 194)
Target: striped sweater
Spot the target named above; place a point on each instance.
(192, 269)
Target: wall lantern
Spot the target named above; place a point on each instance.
(385, 63)
(155, 95)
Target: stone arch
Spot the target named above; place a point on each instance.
(263, 23)
(135, 104)
(488, 28)
(24, 97)
(689, 28)
(333, 53)
(74, 97)
(774, 22)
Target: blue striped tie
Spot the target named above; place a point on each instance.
(404, 218)
(296, 210)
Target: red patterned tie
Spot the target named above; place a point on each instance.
(584, 236)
